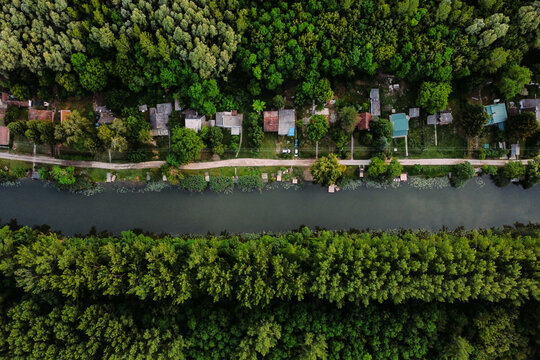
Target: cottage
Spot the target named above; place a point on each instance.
(287, 122)
(497, 115)
(194, 120)
(4, 136)
(530, 105)
(400, 122)
(230, 120)
(362, 121)
(64, 114)
(401, 125)
(414, 113)
(270, 121)
(44, 115)
(159, 118)
(375, 102)
(441, 118)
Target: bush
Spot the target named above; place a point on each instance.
(489, 170)
(514, 169)
(44, 173)
(194, 183)
(462, 174)
(19, 172)
(138, 155)
(250, 183)
(482, 154)
(221, 184)
(64, 176)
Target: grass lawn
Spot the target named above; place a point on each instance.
(97, 175)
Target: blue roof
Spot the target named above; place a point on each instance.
(291, 132)
(497, 114)
(400, 123)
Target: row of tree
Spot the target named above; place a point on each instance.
(211, 54)
(339, 268)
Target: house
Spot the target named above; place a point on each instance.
(63, 115)
(414, 113)
(194, 120)
(530, 105)
(230, 120)
(4, 136)
(286, 122)
(104, 114)
(159, 118)
(441, 118)
(497, 115)
(270, 121)
(375, 101)
(362, 121)
(6, 99)
(400, 123)
(44, 115)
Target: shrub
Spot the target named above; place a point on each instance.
(64, 176)
(489, 170)
(221, 184)
(194, 183)
(462, 174)
(513, 169)
(250, 183)
(19, 172)
(44, 173)
(138, 155)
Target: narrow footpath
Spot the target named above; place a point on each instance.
(40, 159)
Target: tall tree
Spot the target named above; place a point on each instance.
(316, 130)
(327, 170)
(185, 146)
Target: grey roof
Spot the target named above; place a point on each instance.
(158, 120)
(374, 99)
(529, 103)
(194, 120)
(165, 108)
(143, 108)
(286, 120)
(414, 112)
(442, 118)
(226, 119)
(445, 118)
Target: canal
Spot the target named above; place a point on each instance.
(176, 212)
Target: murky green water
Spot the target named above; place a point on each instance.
(177, 212)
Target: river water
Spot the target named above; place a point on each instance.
(176, 212)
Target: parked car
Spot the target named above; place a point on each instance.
(286, 151)
(295, 152)
(295, 143)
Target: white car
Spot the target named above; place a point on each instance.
(286, 151)
(295, 152)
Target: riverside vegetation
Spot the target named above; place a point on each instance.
(304, 295)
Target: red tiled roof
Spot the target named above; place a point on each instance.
(270, 121)
(34, 114)
(363, 121)
(4, 135)
(63, 114)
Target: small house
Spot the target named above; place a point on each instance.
(414, 113)
(105, 115)
(497, 115)
(400, 123)
(270, 121)
(362, 121)
(286, 122)
(43, 115)
(441, 118)
(63, 115)
(159, 119)
(4, 136)
(375, 102)
(194, 120)
(230, 120)
(530, 105)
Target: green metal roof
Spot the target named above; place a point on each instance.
(497, 114)
(400, 123)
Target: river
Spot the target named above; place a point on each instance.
(177, 212)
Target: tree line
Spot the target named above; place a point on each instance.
(214, 54)
(304, 295)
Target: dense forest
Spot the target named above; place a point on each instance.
(299, 295)
(217, 54)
